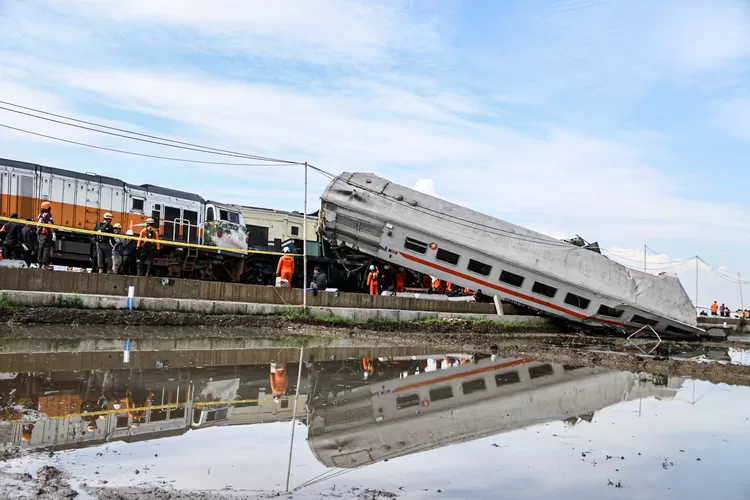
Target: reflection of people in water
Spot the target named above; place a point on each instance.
(279, 380)
(368, 365)
(26, 431)
(137, 398)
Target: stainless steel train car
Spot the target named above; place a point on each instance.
(432, 236)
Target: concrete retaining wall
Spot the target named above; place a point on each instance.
(36, 280)
(359, 315)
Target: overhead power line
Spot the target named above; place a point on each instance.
(133, 153)
(163, 141)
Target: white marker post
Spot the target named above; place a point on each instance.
(126, 352)
(131, 297)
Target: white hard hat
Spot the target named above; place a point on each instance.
(149, 221)
(372, 268)
(286, 249)
(129, 232)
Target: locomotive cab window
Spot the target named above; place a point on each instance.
(577, 301)
(415, 245)
(446, 256)
(542, 289)
(138, 204)
(295, 230)
(511, 279)
(479, 267)
(209, 214)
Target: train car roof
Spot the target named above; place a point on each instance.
(274, 211)
(103, 179)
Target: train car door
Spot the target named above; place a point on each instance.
(191, 232)
(172, 223)
(26, 208)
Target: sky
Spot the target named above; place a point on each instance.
(625, 122)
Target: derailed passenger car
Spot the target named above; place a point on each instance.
(476, 251)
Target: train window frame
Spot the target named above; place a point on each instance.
(543, 289)
(510, 278)
(642, 320)
(541, 371)
(210, 214)
(577, 301)
(674, 329)
(605, 310)
(407, 401)
(468, 386)
(234, 217)
(441, 393)
(415, 245)
(447, 256)
(507, 378)
(479, 267)
(294, 230)
(224, 215)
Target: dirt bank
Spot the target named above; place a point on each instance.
(124, 318)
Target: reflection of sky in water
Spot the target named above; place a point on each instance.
(542, 461)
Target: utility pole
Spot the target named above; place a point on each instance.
(304, 247)
(696, 284)
(644, 258)
(742, 301)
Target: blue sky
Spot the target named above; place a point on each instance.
(625, 122)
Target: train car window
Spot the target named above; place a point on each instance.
(138, 204)
(446, 256)
(157, 207)
(192, 217)
(223, 215)
(540, 371)
(479, 267)
(295, 231)
(407, 401)
(415, 245)
(471, 386)
(577, 301)
(507, 378)
(234, 217)
(209, 214)
(644, 321)
(610, 311)
(441, 393)
(674, 329)
(542, 289)
(511, 279)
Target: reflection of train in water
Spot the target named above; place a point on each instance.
(397, 417)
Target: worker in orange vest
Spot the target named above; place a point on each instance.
(279, 380)
(400, 279)
(148, 244)
(438, 286)
(714, 309)
(285, 268)
(426, 281)
(373, 280)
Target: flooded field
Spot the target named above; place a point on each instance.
(373, 420)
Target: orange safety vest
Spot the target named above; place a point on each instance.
(279, 382)
(714, 307)
(400, 281)
(372, 282)
(149, 233)
(285, 266)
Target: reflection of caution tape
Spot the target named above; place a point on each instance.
(171, 406)
(137, 238)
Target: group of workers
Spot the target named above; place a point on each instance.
(110, 252)
(285, 271)
(725, 312)
(388, 279)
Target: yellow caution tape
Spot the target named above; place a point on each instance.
(138, 238)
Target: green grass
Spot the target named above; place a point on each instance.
(294, 313)
(69, 301)
(5, 302)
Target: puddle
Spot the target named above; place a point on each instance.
(372, 421)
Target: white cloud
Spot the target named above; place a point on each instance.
(426, 186)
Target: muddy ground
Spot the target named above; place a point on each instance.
(559, 347)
